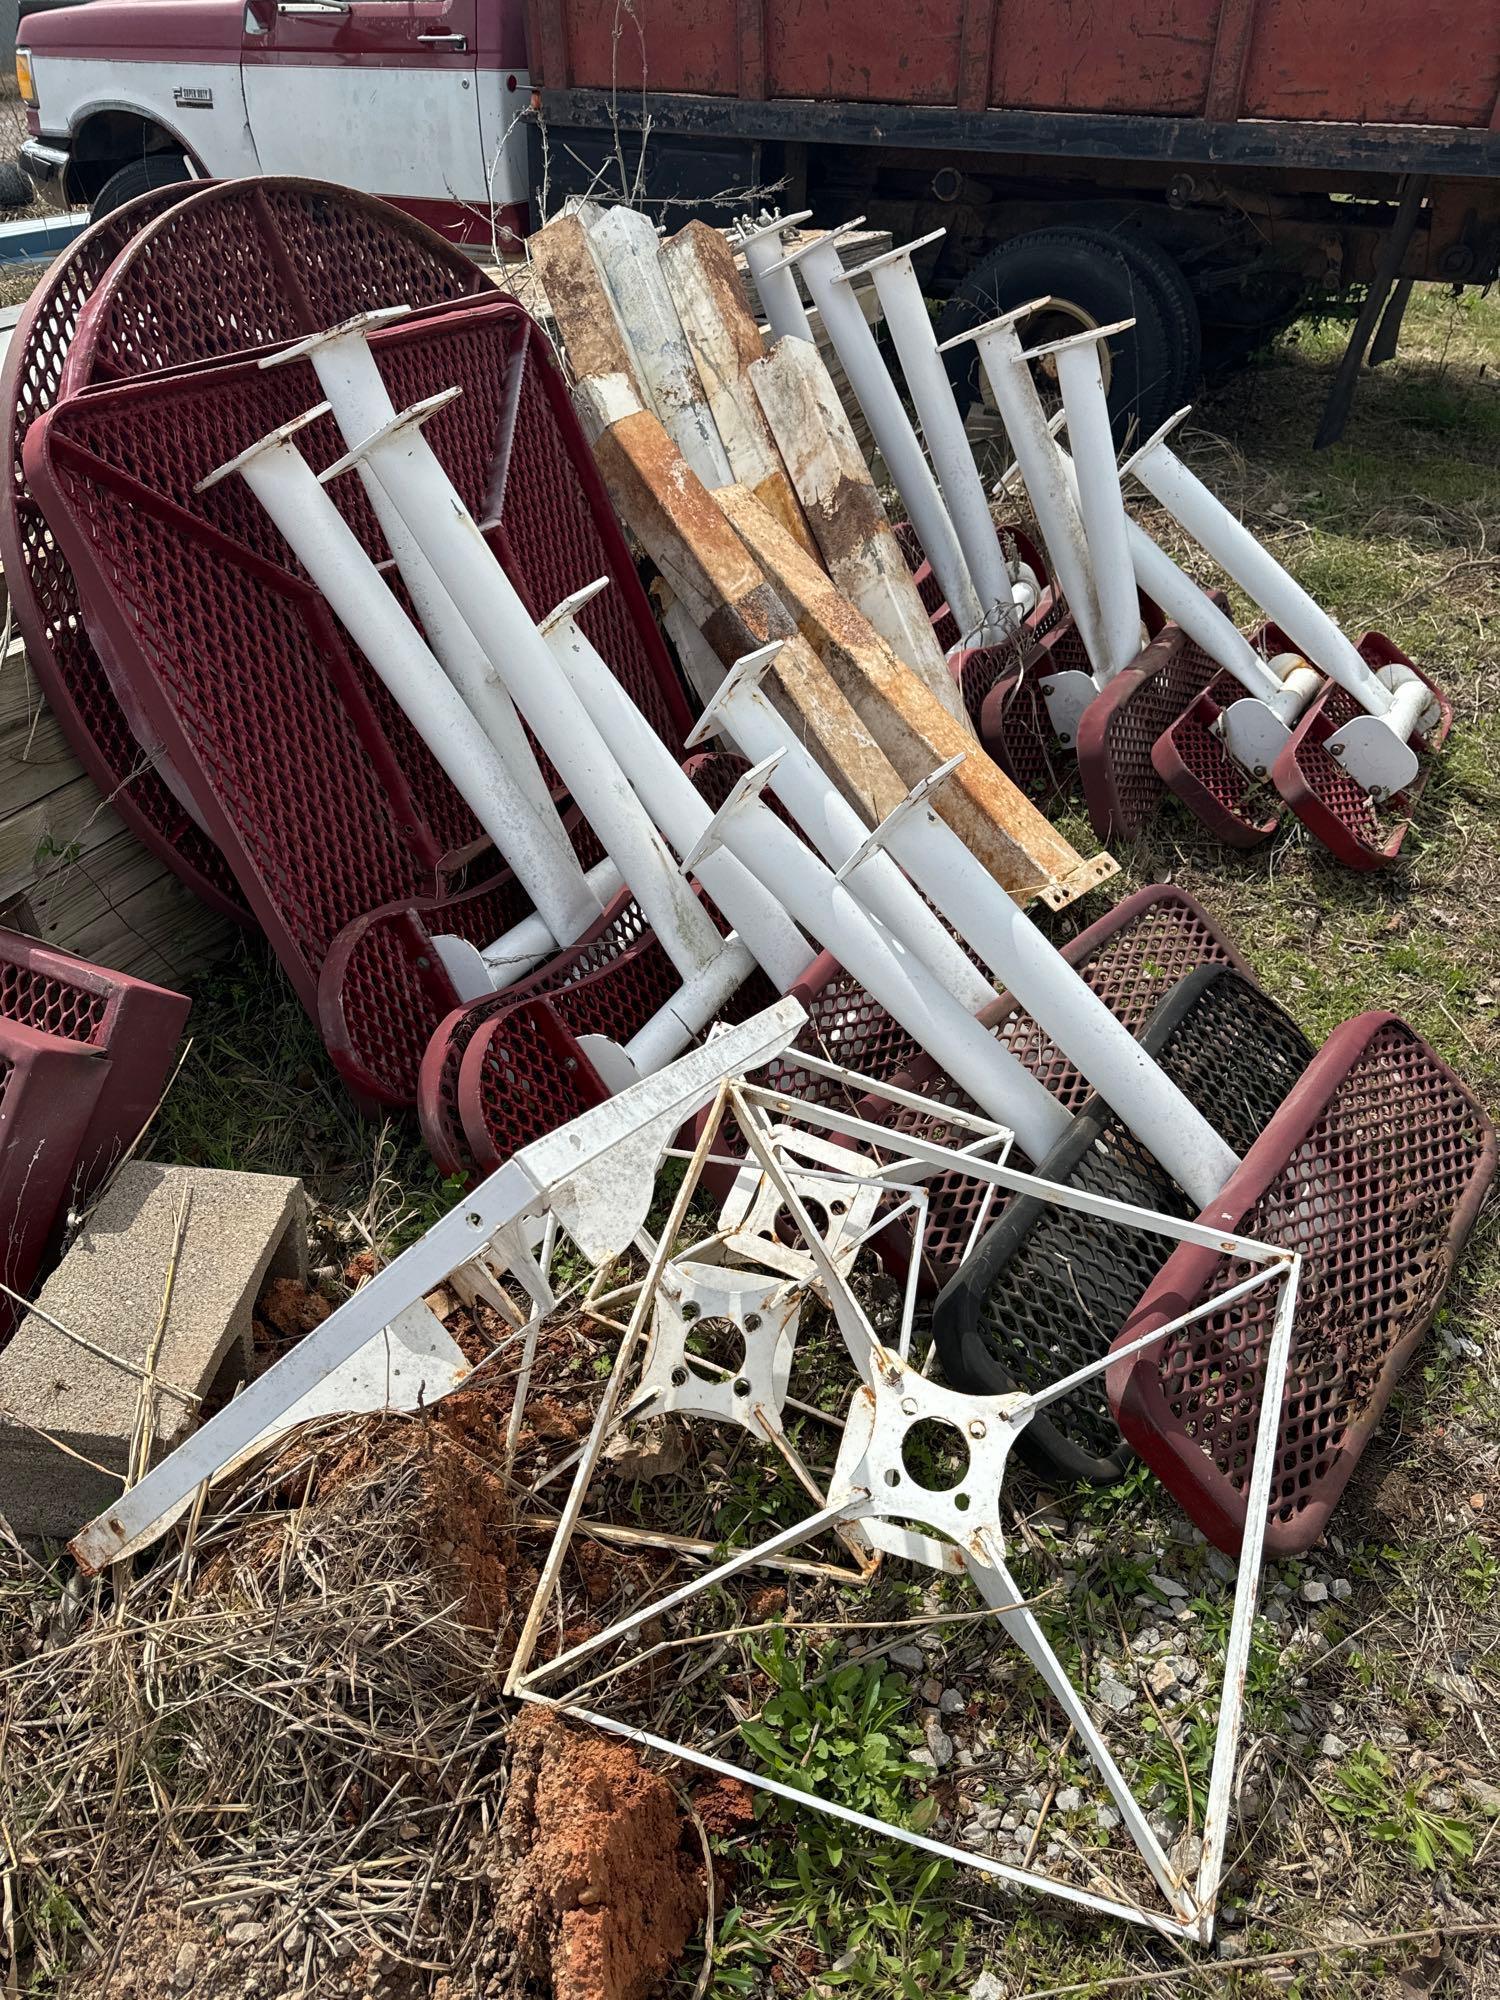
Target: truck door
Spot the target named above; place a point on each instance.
(378, 94)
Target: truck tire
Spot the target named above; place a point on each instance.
(152, 170)
(1179, 309)
(1092, 279)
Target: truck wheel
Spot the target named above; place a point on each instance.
(1089, 279)
(1179, 309)
(152, 170)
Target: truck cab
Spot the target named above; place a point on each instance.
(419, 101)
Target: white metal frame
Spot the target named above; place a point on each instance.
(593, 1178)
(872, 1492)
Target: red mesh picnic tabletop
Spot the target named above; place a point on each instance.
(298, 761)
(1374, 1169)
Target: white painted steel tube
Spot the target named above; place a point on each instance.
(288, 489)
(701, 998)
(1175, 593)
(900, 294)
(1206, 625)
(350, 378)
(1080, 378)
(421, 490)
(1255, 569)
(1038, 457)
(870, 379)
(765, 250)
(894, 977)
(678, 808)
(517, 951)
(1102, 1047)
(836, 829)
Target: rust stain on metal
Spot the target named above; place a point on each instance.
(673, 515)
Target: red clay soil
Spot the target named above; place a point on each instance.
(606, 1887)
(725, 1806)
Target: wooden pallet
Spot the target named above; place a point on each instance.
(70, 874)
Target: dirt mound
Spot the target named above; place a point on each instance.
(606, 1888)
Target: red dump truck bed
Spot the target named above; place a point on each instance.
(1242, 160)
(1275, 81)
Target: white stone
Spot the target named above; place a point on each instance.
(1113, 1694)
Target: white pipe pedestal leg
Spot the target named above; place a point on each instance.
(1374, 747)
(291, 494)
(350, 378)
(1017, 954)
(1080, 378)
(1104, 1050)
(894, 977)
(1255, 729)
(1052, 501)
(422, 492)
(765, 250)
(846, 326)
(906, 315)
(741, 709)
(679, 809)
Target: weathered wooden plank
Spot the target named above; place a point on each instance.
(34, 760)
(833, 483)
(1018, 845)
(581, 304)
(724, 591)
(726, 342)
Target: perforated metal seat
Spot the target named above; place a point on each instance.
(1374, 1169)
(1048, 1288)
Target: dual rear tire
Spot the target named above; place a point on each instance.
(1089, 277)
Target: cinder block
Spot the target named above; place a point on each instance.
(59, 1398)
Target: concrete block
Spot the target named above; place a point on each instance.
(68, 1411)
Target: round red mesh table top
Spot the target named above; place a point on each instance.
(252, 263)
(181, 276)
(42, 593)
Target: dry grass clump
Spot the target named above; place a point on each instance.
(279, 1751)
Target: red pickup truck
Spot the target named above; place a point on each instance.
(1230, 160)
(418, 100)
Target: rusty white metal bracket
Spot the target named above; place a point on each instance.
(594, 1178)
(875, 1492)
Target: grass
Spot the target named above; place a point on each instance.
(1373, 1874)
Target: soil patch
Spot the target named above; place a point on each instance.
(606, 1887)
